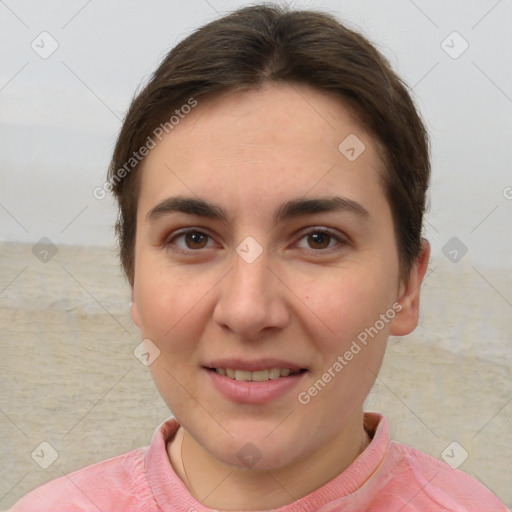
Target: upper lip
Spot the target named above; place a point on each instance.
(254, 365)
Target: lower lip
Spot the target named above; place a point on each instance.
(250, 392)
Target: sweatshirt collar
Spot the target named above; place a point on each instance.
(171, 493)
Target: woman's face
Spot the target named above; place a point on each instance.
(261, 279)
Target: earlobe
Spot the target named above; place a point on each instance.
(406, 319)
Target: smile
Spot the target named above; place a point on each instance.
(256, 376)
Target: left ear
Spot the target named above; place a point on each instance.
(406, 320)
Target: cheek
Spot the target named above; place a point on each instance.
(171, 305)
(353, 350)
(354, 303)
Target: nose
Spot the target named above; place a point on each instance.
(252, 299)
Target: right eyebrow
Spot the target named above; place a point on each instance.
(190, 205)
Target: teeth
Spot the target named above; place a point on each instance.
(275, 373)
(258, 376)
(242, 375)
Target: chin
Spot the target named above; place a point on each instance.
(256, 450)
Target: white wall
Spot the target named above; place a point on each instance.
(59, 116)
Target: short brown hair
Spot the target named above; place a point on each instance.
(263, 43)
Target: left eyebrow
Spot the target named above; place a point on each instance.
(290, 209)
(298, 207)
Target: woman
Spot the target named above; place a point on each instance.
(271, 179)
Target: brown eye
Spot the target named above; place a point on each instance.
(319, 240)
(188, 241)
(195, 240)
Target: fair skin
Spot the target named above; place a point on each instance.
(303, 300)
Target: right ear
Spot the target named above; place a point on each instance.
(134, 311)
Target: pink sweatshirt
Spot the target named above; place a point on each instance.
(386, 477)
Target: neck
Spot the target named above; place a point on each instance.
(222, 487)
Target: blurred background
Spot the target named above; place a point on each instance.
(68, 374)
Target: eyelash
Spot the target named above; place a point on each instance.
(323, 231)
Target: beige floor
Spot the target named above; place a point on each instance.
(69, 377)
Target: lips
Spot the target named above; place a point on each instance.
(256, 381)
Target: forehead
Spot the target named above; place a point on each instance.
(285, 139)
(256, 117)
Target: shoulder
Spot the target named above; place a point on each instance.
(107, 485)
(433, 484)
